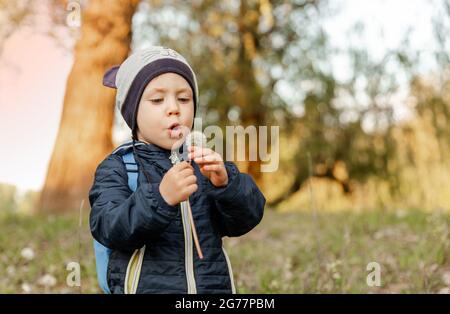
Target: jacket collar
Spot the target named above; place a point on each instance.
(148, 150)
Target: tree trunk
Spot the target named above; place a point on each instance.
(85, 132)
(248, 94)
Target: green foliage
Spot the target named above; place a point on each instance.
(12, 201)
(7, 198)
(271, 63)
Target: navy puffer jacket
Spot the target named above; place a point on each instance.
(126, 221)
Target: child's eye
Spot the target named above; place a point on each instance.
(157, 100)
(184, 99)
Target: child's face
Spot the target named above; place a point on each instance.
(166, 100)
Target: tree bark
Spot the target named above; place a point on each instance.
(248, 94)
(85, 132)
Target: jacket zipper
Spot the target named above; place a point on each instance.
(188, 249)
(188, 243)
(135, 264)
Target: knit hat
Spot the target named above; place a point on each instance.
(133, 75)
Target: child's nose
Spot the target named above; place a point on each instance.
(173, 107)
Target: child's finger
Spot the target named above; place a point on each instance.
(189, 180)
(200, 151)
(208, 159)
(186, 172)
(191, 188)
(205, 162)
(183, 165)
(214, 167)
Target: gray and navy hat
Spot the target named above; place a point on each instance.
(132, 76)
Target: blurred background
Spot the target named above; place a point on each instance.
(360, 91)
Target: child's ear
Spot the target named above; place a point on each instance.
(109, 79)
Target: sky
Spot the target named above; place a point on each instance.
(34, 69)
(386, 22)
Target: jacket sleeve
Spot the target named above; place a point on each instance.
(121, 219)
(239, 205)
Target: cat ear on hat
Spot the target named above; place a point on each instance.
(109, 79)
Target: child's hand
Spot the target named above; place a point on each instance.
(178, 183)
(211, 165)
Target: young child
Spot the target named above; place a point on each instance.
(149, 236)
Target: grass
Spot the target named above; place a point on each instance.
(287, 253)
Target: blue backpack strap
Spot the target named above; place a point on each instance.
(101, 263)
(132, 170)
(102, 252)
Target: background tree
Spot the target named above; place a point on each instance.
(239, 50)
(84, 135)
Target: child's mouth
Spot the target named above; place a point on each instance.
(176, 131)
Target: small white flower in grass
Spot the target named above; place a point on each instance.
(446, 278)
(47, 280)
(10, 270)
(27, 253)
(26, 287)
(336, 276)
(274, 284)
(401, 213)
